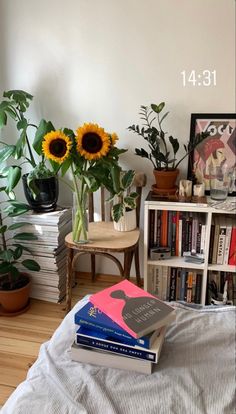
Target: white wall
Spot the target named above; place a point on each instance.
(99, 60)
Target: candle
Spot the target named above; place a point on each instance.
(199, 190)
(185, 188)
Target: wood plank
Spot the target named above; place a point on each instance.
(5, 392)
(19, 347)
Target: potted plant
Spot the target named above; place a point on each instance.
(123, 209)
(14, 284)
(162, 148)
(40, 185)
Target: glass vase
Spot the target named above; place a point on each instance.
(80, 218)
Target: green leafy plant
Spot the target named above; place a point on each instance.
(163, 148)
(11, 248)
(123, 200)
(14, 106)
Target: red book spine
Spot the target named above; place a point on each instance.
(232, 250)
(164, 228)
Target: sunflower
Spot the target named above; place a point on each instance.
(92, 141)
(56, 146)
(114, 138)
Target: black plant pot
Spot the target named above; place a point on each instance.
(46, 200)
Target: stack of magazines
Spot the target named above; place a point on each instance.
(122, 327)
(48, 251)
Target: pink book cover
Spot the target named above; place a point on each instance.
(132, 308)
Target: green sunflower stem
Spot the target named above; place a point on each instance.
(79, 231)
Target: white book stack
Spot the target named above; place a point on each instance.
(48, 251)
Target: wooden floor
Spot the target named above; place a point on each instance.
(21, 336)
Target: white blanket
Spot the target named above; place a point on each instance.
(195, 373)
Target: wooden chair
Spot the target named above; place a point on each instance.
(105, 241)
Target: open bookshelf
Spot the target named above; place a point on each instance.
(184, 227)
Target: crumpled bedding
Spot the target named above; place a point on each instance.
(195, 373)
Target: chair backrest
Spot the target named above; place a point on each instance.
(139, 182)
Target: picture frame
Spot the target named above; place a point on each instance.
(219, 146)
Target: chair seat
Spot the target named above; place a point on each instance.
(103, 237)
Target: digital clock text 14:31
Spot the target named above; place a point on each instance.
(203, 78)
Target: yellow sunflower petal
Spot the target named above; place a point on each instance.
(92, 141)
(114, 138)
(56, 146)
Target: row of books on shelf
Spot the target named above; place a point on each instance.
(121, 327)
(48, 251)
(222, 247)
(179, 230)
(173, 284)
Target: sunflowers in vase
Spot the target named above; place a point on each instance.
(92, 157)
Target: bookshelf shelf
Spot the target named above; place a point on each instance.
(175, 262)
(154, 237)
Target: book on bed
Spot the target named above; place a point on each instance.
(92, 339)
(135, 310)
(96, 357)
(90, 317)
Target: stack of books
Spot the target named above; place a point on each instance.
(122, 327)
(48, 251)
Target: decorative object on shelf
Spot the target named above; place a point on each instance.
(162, 151)
(217, 149)
(92, 157)
(185, 189)
(14, 284)
(15, 105)
(221, 181)
(199, 190)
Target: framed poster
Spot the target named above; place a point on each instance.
(218, 149)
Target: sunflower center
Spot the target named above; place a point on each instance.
(92, 142)
(58, 147)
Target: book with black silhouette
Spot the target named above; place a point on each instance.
(135, 310)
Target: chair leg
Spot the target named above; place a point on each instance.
(128, 256)
(137, 267)
(93, 265)
(69, 279)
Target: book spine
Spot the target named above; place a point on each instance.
(177, 235)
(194, 233)
(182, 284)
(180, 235)
(164, 283)
(227, 244)
(232, 250)
(119, 335)
(189, 287)
(215, 244)
(164, 228)
(173, 284)
(170, 230)
(158, 241)
(198, 288)
(151, 228)
(158, 281)
(173, 240)
(116, 348)
(211, 243)
(221, 245)
(203, 239)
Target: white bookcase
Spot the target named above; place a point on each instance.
(179, 262)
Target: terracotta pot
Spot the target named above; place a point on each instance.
(165, 179)
(127, 222)
(15, 300)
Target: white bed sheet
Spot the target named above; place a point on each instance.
(195, 373)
